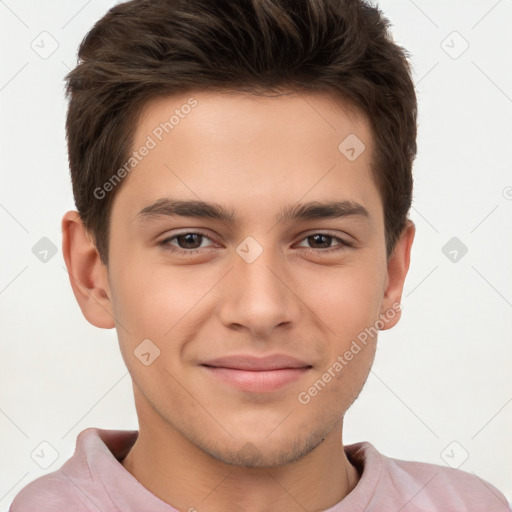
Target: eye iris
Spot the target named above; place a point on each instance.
(326, 238)
(189, 239)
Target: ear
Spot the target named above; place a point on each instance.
(87, 273)
(397, 267)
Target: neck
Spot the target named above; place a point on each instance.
(180, 474)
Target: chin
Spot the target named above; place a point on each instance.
(263, 453)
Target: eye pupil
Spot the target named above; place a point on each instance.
(189, 239)
(326, 238)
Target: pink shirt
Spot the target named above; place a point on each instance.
(94, 480)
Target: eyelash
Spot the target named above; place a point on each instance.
(343, 244)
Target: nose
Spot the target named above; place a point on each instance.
(259, 295)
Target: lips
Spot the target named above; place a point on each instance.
(257, 364)
(257, 374)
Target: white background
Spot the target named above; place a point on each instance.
(443, 375)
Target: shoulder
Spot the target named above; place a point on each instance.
(81, 482)
(52, 492)
(448, 486)
(419, 486)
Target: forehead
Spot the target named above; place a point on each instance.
(230, 147)
(221, 113)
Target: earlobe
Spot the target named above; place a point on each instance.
(397, 268)
(87, 273)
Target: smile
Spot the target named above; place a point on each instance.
(257, 381)
(257, 375)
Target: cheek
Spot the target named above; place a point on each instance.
(145, 296)
(157, 301)
(137, 298)
(149, 304)
(348, 301)
(350, 307)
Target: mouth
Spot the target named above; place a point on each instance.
(257, 374)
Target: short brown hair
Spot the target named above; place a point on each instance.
(148, 48)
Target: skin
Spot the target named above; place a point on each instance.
(202, 443)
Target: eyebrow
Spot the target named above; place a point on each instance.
(314, 210)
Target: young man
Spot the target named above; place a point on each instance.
(242, 174)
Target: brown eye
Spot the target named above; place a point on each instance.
(186, 243)
(189, 240)
(323, 242)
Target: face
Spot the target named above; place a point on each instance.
(254, 306)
